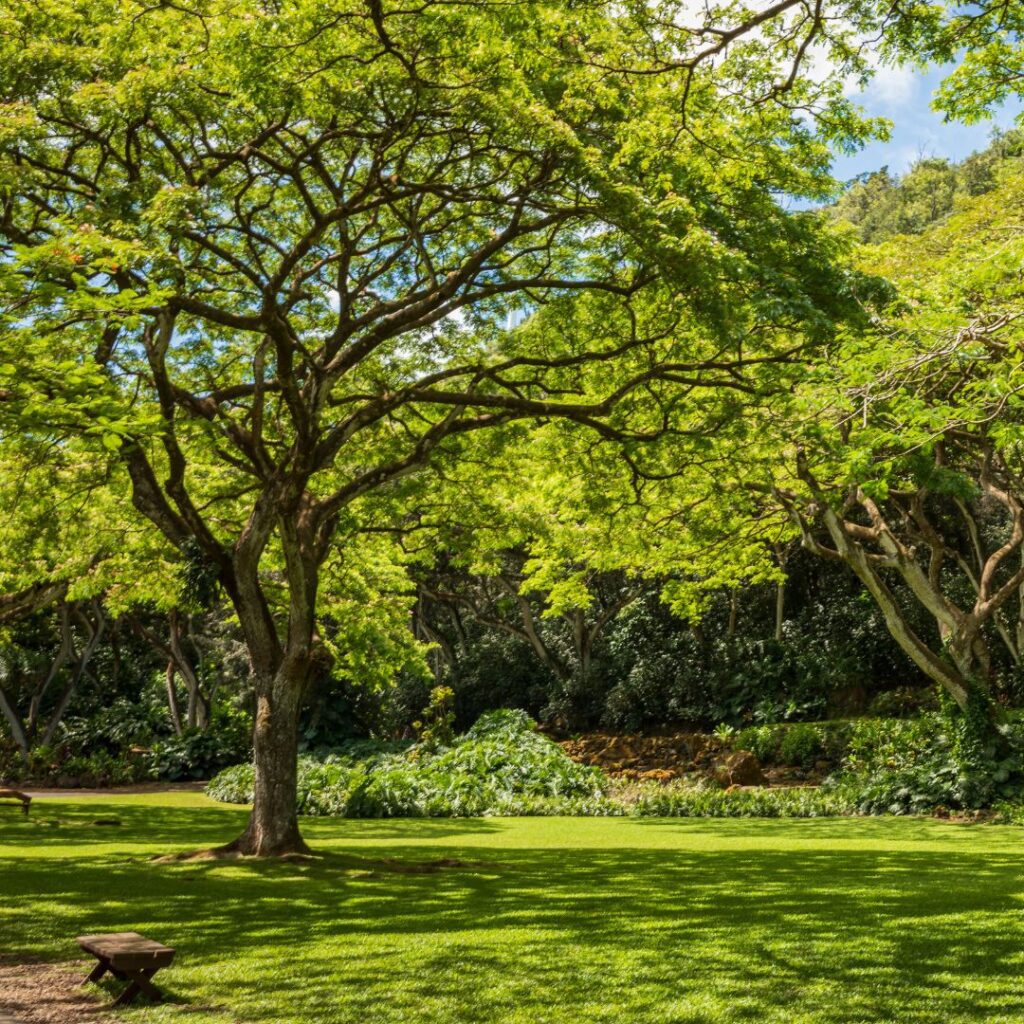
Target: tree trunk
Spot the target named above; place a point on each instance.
(273, 828)
(64, 653)
(198, 707)
(780, 594)
(14, 721)
(280, 673)
(940, 670)
(172, 698)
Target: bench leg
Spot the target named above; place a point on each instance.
(139, 983)
(102, 968)
(97, 972)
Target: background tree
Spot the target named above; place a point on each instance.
(910, 458)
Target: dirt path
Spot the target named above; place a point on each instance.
(146, 787)
(47, 994)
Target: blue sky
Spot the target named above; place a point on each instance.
(903, 95)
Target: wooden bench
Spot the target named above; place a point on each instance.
(13, 794)
(129, 957)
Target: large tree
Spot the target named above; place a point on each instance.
(263, 254)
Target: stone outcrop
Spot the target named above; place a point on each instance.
(740, 768)
(663, 758)
(646, 757)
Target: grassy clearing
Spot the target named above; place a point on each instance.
(612, 920)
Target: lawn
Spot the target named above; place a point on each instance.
(554, 920)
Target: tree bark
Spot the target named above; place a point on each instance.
(780, 595)
(172, 698)
(938, 669)
(64, 653)
(273, 828)
(14, 721)
(280, 674)
(198, 707)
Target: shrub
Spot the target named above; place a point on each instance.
(903, 702)
(502, 765)
(436, 726)
(799, 744)
(198, 755)
(761, 740)
(58, 765)
(687, 801)
(909, 766)
(119, 726)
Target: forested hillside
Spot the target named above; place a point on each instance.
(882, 205)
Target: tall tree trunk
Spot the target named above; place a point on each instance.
(64, 653)
(273, 828)
(280, 674)
(198, 707)
(940, 670)
(95, 634)
(780, 594)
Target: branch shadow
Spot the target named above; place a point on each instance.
(468, 930)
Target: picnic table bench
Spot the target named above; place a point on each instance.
(14, 794)
(129, 957)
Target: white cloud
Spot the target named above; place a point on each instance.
(892, 87)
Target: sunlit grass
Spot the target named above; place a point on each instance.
(621, 920)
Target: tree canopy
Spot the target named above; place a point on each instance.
(257, 264)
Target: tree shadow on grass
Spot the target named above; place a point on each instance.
(57, 824)
(912, 828)
(617, 934)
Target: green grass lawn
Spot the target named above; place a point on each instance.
(554, 920)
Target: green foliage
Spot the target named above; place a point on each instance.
(170, 269)
(910, 766)
(801, 746)
(903, 702)
(130, 742)
(798, 744)
(687, 801)
(761, 740)
(882, 206)
(500, 766)
(117, 726)
(436, 727)
(648, 667)
(196, 754)
(60, 766)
